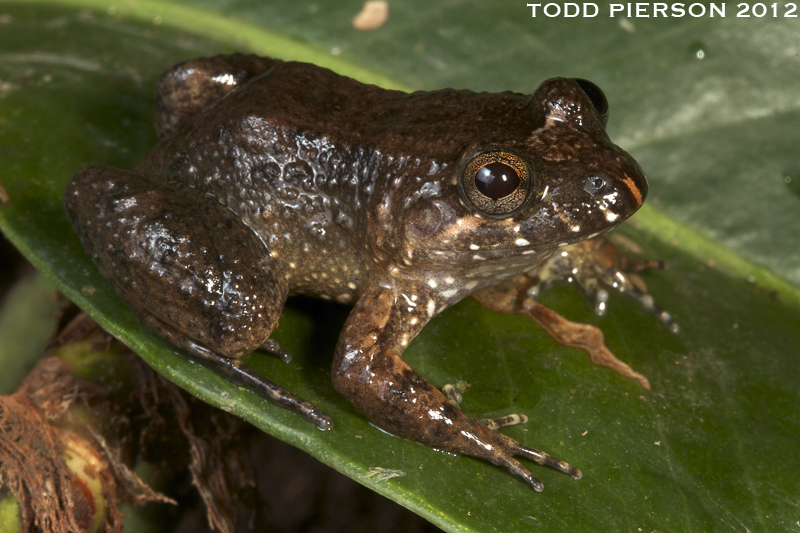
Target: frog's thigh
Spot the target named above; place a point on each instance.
(186, 264)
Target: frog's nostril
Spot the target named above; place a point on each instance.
(594, 184)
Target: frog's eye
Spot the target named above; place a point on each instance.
(496, 182)
(596, 96)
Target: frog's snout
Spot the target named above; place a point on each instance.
(634, 183)
(623, 192)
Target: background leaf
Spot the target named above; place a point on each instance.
(712, 448)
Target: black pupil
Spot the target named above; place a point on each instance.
(497, 180)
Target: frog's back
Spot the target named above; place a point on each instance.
(303, 192)
(303, 155)
(308, 100)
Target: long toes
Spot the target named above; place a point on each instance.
(274, 348)
(516, 468)
(545, 459)
(649, 303)
(496, 423)
(242, 374)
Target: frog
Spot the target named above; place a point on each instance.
(272, 178)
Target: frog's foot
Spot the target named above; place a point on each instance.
(633, 286)
(401, 402)
(594, 262)
(241, 374)
(443, 426)
(454, 398)
(510, 448)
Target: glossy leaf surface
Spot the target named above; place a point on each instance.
(712, 448)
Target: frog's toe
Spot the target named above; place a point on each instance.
(542, 458)
(496, 423)
(272, 346)
(648, 302)
(510, 448)
(453, 396)
(516, 468)
(242, 374)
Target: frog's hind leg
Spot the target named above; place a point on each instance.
(191, 269)
(187, 88)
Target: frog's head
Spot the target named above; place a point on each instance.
(559, 182)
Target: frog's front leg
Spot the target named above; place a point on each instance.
(597, 262)
(369, 372)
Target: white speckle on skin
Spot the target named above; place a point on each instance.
(449, 293)
(414, 321)
(352, 285)
(575, 229)
(449, 280)
(528, 252)
(516, 228)
(522, 242)
(611, 217)
(431, 307)
(474, 247)
(471, 285)
(477, 257)
(432, 283)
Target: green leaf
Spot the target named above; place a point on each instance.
(27, 321)
(713, 447)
